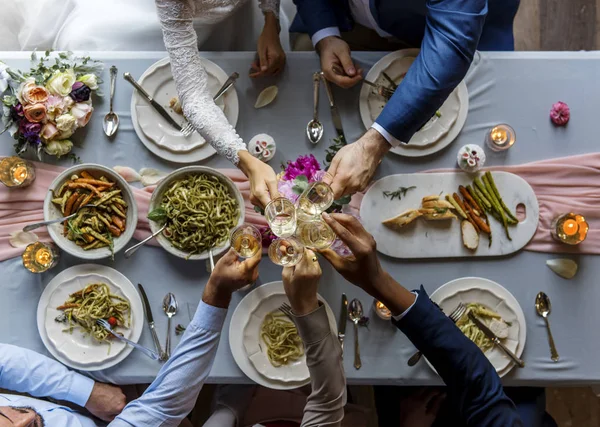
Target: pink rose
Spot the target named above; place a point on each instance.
(35, 113)
(49, 131)
(82, 112)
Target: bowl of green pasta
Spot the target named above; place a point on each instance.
(199, 206)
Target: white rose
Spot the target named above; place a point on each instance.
(66, 123)
(82, 112)
(28, 83)
(90, 80)
(61, 83)
(58, 148)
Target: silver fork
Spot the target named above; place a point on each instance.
(187, 130)
(456, 314)
(286, 309)
(386, 92)
(151, 354)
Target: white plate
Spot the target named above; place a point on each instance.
(156, 133)
(437, 132)
(496, 297)
(76, 350)
(237, 328)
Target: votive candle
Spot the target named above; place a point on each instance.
(501, 137)
(381, 310)
(40, 257)
(569, 228)
(16, 172)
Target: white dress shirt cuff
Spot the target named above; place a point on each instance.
(80, 390)
(209, 318)
(325, 32)
(405, 312)
(388, 136)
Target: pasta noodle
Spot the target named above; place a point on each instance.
(200, 212)
(284, 345)
(470, 329)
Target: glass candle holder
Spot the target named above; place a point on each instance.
(569, 228)
(281, 216)
(40, 257)
(315, 234)
(381, 310)
(16, 172)
(245, 240)
(316, 199)
(501, 137)
(286, 252)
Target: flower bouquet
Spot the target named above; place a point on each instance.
(44, 106)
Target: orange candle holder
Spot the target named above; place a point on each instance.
(569, 228)
(16, 172)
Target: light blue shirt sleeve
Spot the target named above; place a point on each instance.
(173, 393)
(325, 32)
(26, 371)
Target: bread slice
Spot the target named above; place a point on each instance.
(399, 221)
(437, 214)
(441, 204)
(470, 237)
(430, 198)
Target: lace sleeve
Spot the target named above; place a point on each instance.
(191, 80)
(269, 6)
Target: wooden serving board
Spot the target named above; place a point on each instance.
(443, 239)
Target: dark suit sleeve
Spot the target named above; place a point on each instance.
(473, 384)
(316, 14)
(452, 32)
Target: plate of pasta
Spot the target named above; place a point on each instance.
(496, 307)
(69, 307)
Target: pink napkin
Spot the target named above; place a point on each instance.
(20, 207)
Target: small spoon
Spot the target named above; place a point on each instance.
(170, 309)
(54, 221)
(314, 128)
(111, 120)
(130, 251)
(543, 307)
(355, 313)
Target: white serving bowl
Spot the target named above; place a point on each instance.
(51, 211)
(156, 200)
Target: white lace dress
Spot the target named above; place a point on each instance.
(177, 21)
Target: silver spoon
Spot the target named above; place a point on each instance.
(170, 309)
(111, 120)
(314, 128)
(355, 313)
(130, 251)
(543, 307)
(54, 221)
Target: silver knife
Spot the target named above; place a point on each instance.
(152, 102)
(520, 363)
(343, 320)
(228, 83)
(150, 320)
(335, 114)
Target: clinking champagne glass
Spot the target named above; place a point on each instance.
(281, 216)
(245, 240)
(317, 198)
(315, 234)
(286, 252)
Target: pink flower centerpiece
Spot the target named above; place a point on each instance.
(560, 113)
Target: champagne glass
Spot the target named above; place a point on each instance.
(245, 240)
(317, 198)
(315, 234)
(281, 216)
(286, 252)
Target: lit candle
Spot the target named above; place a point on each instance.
(381, 310)
(500, 137)
(39, 257)
(16, 172)
(569, 228)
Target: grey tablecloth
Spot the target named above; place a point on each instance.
(515, 88)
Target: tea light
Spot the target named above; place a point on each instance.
(501, 137)
(569, 228)
(39, 257)
(381, 310)
(16, 172)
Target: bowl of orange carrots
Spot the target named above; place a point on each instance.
(101, 209)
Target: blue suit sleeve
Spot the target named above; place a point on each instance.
(473, 384)
(452, 32)
(316, 14)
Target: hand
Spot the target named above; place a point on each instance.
(301, 283)
(421, 408)
(106, 401)
(353, 167)
(229, 275)
(263, 181)
(271, 57)
(336, 63)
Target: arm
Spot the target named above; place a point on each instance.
(325, 405)
(473, 384)
(452, 32)
(26, 371)
(191, 80)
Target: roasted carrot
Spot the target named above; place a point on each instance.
(67, 306)
(460, 203)
(80, 199)
(118, 222)
(95, 182)
(480, 222)
(86, 175)
(468, 197)
(84, 185)
(114, 230)
(70, 202)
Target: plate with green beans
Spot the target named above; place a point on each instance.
(200, 206)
